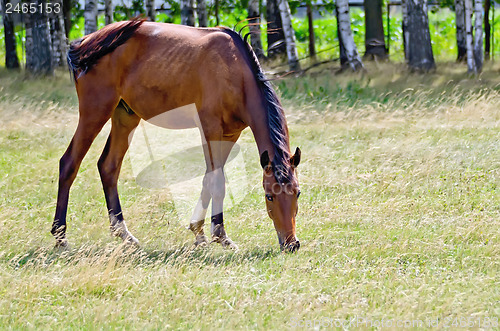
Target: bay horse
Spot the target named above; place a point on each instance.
(134, 70)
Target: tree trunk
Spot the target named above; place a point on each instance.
(254, 26)
(478, 35)
(374, 36)
(202, 13)
(187, 12)
(38, 55)
(406, 33)
(420, 55)
(67, 16)
(150, 10)
(344, 23)
(342, 53)
(11, 59)
(487, 29)
(275, 37)
(216, 5)
(108, 11)
(58, 37)
(460, 22)
(471, 64)
(291, 47)
(312, 37)
(90, 15)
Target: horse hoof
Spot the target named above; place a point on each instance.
(130, 239)
(61, 243)
(201, 241)
(228, 243)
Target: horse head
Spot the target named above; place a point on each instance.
(282, 191)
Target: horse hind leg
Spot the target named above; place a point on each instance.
(123, 123)
(94, 113)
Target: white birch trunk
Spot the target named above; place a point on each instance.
(406, 32)
(460, 22)
(151, 10)
(187, 12)
(58, 37)
(254, 27)
(478, 35)
(202, 13)
(291, 48)
(39, 59)
(353, 59)
(469, 40)
(108, 11)
(90, 15)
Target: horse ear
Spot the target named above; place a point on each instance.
(295, 159)
(264, 160)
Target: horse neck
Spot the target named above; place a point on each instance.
(258, 122)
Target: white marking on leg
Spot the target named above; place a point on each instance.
(199, 212)
(119, 229)
(197, 222)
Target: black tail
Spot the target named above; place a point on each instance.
(84, 53)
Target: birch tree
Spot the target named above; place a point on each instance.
(90, 15)
(38, 50)
(108, 12)
(478, 35)
(202, 13)
(58, 37)
(460, 23)
(11, 59)
(275, 37)
(345, 32)
(187, 12)
(420, 56)
(216, 10)
(310, 28)
(469, 38)
(151, 9)
(66, 9)
(291, 47)
(487, 29)
(342, 53)
(254, 26)
(374, 31)
(406, 33)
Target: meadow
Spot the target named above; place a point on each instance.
(399, 216)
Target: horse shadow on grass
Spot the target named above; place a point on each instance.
(122, 255)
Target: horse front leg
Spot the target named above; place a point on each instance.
(218, 192)
(216, 154)
(199, 214)
(216, 149)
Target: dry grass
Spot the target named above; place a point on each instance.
(399, 216)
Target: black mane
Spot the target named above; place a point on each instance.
(275, 114)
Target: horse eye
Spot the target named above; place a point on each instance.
(298, 194)
(269, 197)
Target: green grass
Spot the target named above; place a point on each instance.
(398, 217)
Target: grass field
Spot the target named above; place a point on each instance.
(399, 216)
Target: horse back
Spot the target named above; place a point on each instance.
(164, 66)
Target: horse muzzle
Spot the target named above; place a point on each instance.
(290, 247)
